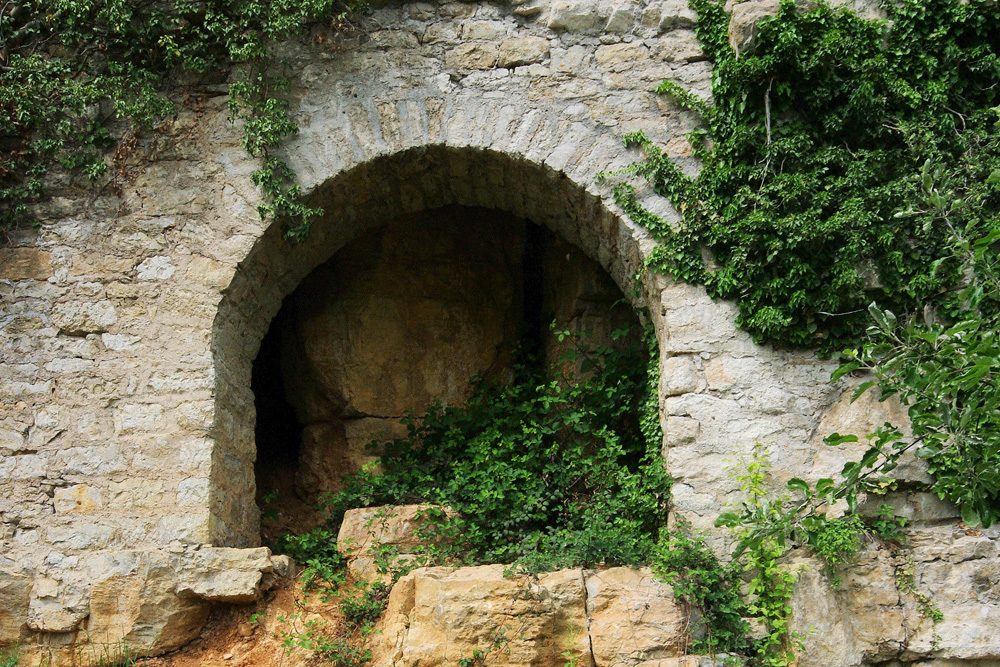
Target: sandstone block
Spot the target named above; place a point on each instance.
(621, 56)
(679, 375)
(677, 14)
(15, 593)
(419, 308)
(25, 263)
(633, 618)
(78, 498)
(621, 19)
(155, 268)
(472, 56)
(437, 616)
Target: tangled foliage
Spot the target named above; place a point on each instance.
(553, 469)
(814, 140)
(70, 68)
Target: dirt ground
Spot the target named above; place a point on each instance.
(256, 635)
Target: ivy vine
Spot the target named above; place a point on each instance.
(77, 75)
(813, 141)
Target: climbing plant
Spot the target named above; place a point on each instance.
(812, 143)
(849, 198)
(78, 75)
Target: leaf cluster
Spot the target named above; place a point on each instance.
(74, 73)
(553, 469)
(813, 141)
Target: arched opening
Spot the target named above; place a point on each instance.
(358, 201)
(403, 317)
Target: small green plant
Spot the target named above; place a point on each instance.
(887, 525)
(560, 467)
(117, 654)
(10, 655)
(309, 635)
(906, 582)
(684, 561)
(362, 609)
(836, 542)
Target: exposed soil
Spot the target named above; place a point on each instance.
(255, 635)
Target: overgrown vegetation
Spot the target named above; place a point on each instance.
(851, 172)
(814, 141)
(10, 656)
(554, 469)
(76, 76)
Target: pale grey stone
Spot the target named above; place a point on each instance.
(78, 318)
(575, 16)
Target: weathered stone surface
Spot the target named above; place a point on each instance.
(522, 51)
(77, 318)
(25, 263)
(218, 574)
(574, 15)
(633, 618)
(677, 14)
(331, 451)
(616, 617)
(15, 591)
(419, 117)
(473, 56)
(437, 616)
(78, 498)
(407, 298)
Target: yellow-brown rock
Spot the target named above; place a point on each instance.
(620, 617)
(438, 616)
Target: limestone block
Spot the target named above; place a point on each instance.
(78, 498)
(680, 431)
(55, 606)
(677, 14)
(207, 271)
(472, 56)
(680, 375)
(522, 51)
(25, 263)
(679, 46)
(98, 460)
(483, 30)
(15, 593)
(633, 618)
(155, 268)
(78, 318)
(574, 15)
(437, 616)
(620, 20)
(619, 56)
(132, 599)
(222, 574)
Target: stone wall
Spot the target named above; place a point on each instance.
(130, 322)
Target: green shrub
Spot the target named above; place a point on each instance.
(550, 470)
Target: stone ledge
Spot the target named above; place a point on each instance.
(153, 600)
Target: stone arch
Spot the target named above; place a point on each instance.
(361, 199)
